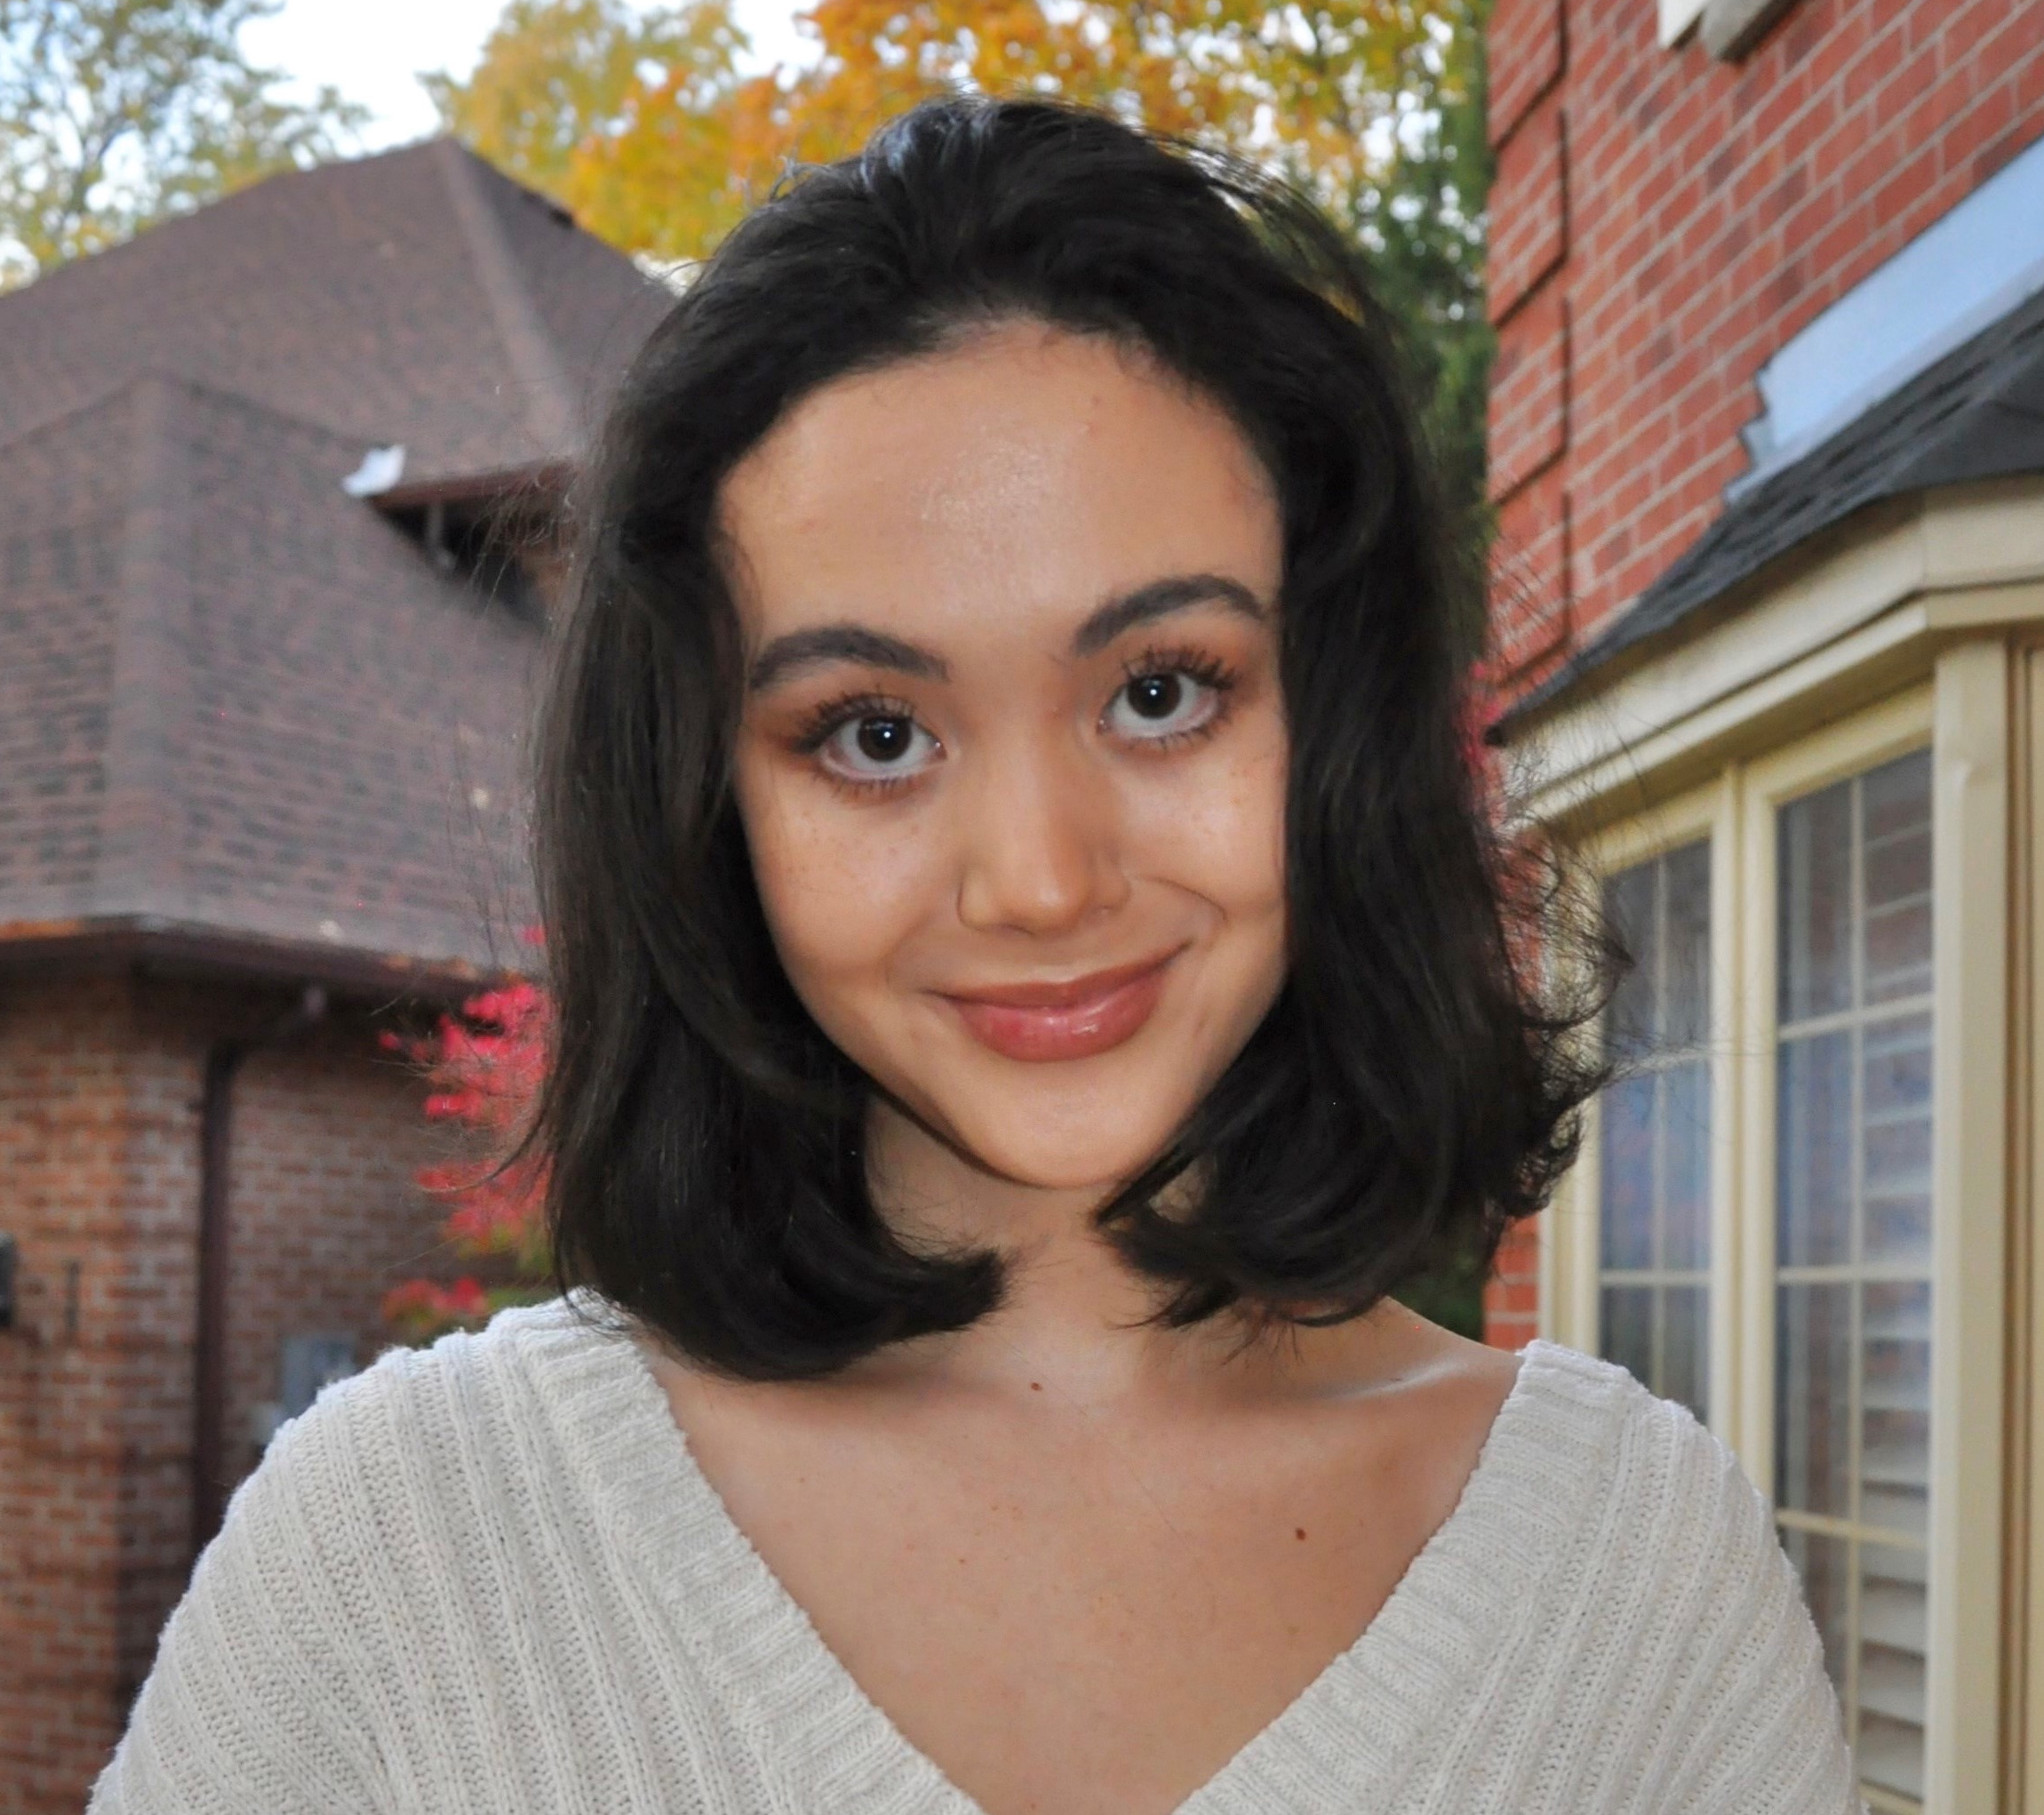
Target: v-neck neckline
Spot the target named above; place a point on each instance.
(839, 1748)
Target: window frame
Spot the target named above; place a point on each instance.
(1961, 713)
(1570, 1269)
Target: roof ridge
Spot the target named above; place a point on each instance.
(529, 348)
(77, 269)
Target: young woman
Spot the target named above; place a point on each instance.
(1033, 978)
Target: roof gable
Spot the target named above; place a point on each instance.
(418, 297)
(235, 702)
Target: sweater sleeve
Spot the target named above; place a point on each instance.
(1764, 1736)
(256, 1703)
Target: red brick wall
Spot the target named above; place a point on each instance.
(1511, 1299)
(327, 1136)
(1661, 224)
(98, 1169)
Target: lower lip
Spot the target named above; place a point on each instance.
(1071, 1030)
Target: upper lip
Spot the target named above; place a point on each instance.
(1069, 993)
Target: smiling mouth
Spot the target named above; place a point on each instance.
(1041, 1022)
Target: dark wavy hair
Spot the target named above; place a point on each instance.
(1409, 1093)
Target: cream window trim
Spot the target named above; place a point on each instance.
(1678, 17)
(2024, 1760)
(1970, 830)
(1867, 616)
(1568, 1232)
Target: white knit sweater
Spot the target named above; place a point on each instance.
(489, 1578)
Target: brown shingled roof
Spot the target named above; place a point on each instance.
(240, 709)
(418, 298)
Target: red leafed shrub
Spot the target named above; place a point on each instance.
(483, 1065)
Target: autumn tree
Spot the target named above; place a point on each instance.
(482, 1066)
(114, 114)
(562, 85)
(641, 122)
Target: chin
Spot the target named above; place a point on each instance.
(1119, 1144)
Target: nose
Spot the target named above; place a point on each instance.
(1040, 844)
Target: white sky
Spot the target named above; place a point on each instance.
(372, 50)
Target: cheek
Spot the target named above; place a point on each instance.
(842, 885)
(1216, 826)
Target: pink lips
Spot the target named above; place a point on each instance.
(1039, 1022)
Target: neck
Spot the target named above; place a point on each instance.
(1077, 1318)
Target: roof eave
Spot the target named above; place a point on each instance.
(545, 482)
(216, 952)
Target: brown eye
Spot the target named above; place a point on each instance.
(879, 747)
(1154, 696)
(1165, 704)
(885, 740)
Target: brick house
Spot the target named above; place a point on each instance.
(259, 801)
(1767, 454)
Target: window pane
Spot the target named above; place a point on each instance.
(1686, 1007)
(1895, 811)
(1896, 1140)
(1628, 1313)
(1627, 1159)
(1813, 1399)
(1890, 1689)
(1629, 906)
(1895, 1437)
(1813, 1150)
(1816, 951)
(1825, 1567)
(1895, 1329)
(1853, 1212)
(1654, 1208)
(1685, 1116)
(1685, 1373)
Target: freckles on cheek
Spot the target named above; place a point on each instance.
(840, 886)
(1220, 833)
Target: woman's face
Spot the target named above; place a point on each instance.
(1012, 758)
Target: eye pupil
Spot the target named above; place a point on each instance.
(1154, 696)
(883, 739)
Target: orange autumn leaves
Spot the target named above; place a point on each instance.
(641, 122)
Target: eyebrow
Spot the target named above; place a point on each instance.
(1160, 599)
(824, 644)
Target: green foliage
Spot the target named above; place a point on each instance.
(1451, 1295)
(116, 114)
(1426, 220)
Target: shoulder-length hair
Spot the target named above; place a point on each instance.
(1409, 1093)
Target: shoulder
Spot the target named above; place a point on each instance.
(1656, 1508)
(429, 1450)
(1669, 1589)
(352, 1565)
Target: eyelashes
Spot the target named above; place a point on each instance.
(1162, 713)
(833, 715)
(869, 742)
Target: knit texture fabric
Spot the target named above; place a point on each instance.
(488, 1577)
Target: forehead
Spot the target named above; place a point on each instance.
(1009, 482)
